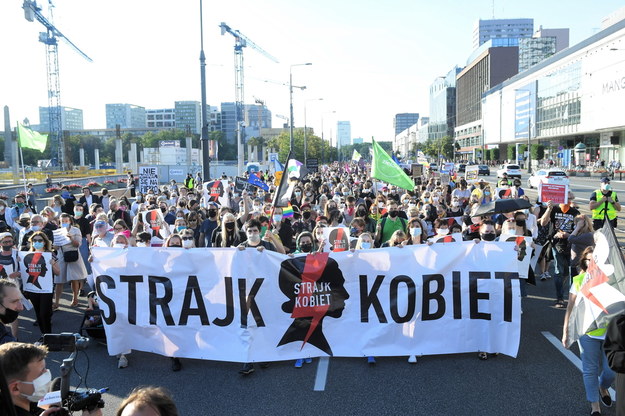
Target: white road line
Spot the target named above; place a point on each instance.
(574, 359)
(322, 374)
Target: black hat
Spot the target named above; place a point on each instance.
(605, 179)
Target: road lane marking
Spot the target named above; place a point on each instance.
(322, 374)
(574, 359)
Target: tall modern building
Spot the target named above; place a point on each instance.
(561, 35)
(256, 117)
(188, 115)
(343, 133)
(487, 67)
(229, 121)
(161, 117)
(71, 119)
(485, 30)
(128, 116)
(404, 120)
(214, 116)
(541, 46)
(443, 105)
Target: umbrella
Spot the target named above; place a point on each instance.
(500, 206)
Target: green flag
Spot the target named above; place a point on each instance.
(31, 139)
(385, 169)
(356, 156)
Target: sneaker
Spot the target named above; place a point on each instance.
(175, 364)
(122, 362)
(308, 360)
(412, 359)
(299, 363)
(371, 360)
(543, 276)
(248, 368)
(606, 400)
(547, 275)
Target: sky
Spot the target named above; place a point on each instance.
(370, 59)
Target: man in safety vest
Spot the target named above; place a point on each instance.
(189, 182)
(604, 202)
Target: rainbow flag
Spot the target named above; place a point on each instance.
(287, 212)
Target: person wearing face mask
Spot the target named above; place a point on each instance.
(282, 227)
(188, 241)
(10, 308)
(390, 223)
(70, 200)
(417, 233)
(15, 213)
(604, 203)
(370, 222)
(305, 244)
(86, 230)
(88, 197)
(487, 231)
(9, 261)
(318, 236)
(105, 199)
(306, 222)
(455, 208)
(461, 193)
(441, 228)
(36, 224)
(367, 191)
(28, 379)
(296, 199)
(208, 225)
(70, 262)
(228, 234)
(42, 302)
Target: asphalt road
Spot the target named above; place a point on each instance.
(541, 380)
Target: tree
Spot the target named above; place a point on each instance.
(538, 151)
(495, 153)
(316, 147)
(511, 152)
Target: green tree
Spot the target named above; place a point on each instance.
(495, 153)
(538, 151)
(511, 152)
(316, 147)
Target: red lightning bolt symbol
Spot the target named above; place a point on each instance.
(595, 277)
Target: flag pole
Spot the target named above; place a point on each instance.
(19, 145)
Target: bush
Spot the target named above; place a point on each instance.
(73, 186)
(108, 182)
(93, 184)
(122, 180)
(53, 190)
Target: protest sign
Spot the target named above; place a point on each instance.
(471, 173)
(247, 306)
(37, 276)
(556, 193)
(148, 179)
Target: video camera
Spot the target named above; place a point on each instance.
(78, 399)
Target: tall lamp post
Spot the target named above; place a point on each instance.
(529, 128)
(305, 128)
(291, 142)
(204, 138)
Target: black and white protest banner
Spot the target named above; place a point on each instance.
(37, 276)
(246, 305)
(148, 179)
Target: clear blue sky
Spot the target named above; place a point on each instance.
(371, 59)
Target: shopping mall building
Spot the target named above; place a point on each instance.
(575, 96)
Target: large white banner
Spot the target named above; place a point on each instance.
(233, 305)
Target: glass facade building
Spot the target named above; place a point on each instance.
(162, 117)
(189, 116)
(442, 120)
(71, 119)
(128, 116)
(485, 30)
(534, 50)
(403, 121)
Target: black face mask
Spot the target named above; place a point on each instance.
(488, 237)
(163, 210)
(175, 245)
(212, 212)
(229, 226)
(392, 213)
(306, 215)
(9, 316)
(340, 219)
(361, 213)
(520, 223)
(306, 247)
(7, 248)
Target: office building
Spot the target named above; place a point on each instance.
(128, 116)
(162, 117)
(343, 133)
(487, 66)
(535, 50)
(442, 120)
(571, 103)
(485, 30)
(256, 117)
(229, 121)
(561, 35)
(71, 119)
(188, 116)
(358, 140)
(404, 120)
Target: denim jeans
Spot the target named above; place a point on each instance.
(595, 367)
(561, 269)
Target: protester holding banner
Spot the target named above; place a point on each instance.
(38, 282)
(389, 224)
(562, 217)
(598, 376)
(71, 265)
(228, 235)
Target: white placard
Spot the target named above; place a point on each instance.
(148, 179)
(36, 269)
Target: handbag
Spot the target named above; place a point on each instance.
(70, 256)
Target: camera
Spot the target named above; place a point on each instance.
(78, 399)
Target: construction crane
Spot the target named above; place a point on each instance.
(241, 41)
(50, 39)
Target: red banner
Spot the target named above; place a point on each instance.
(558, 194)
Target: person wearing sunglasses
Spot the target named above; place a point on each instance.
(42, 302)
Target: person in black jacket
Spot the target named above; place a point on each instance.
(614, 347)
(88, 198)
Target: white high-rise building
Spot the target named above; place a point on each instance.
(484, 30)
(343, 133)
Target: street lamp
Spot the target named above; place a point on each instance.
(204, 137)
(529, 129)
(291, 144)
(305, 128)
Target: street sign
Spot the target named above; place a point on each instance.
(560, 155)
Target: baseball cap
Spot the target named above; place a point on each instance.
(605, 179)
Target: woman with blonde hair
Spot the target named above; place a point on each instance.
(229, 235)
(398, 238)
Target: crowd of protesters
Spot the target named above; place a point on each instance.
(374, 215)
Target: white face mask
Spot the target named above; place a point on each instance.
(415, 231)
(119, 245)
(253, 237)
(443, 231)
(142, 244)
(41, 386)
(187, 243)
